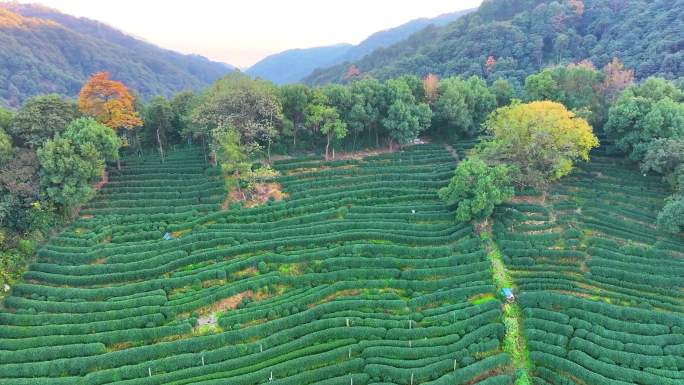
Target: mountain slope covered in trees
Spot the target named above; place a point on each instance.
(292, 65)
(513, 38)
(43, 51)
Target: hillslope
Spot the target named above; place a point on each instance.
(292, 65)
(44, 51)
(359, 276)
(524, 36)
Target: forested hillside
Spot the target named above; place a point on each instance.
(292, 65)
(45, 51)
(513, 38)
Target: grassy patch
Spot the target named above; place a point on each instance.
(514, 342)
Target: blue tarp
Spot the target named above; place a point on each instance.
(507, 292)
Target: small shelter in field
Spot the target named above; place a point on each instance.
(168, 236)
(508, 293)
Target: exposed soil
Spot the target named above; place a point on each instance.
(263, 192)
(103, 181)
(248, 272)
(538, 199)
(229, 303)
(360, 154)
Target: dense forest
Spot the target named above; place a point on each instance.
(514, 38)
(45, 51)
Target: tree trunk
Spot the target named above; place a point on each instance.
(239, 189)
(391, 144)
(377, 139)
(356, 133)
(294, 136)
(204, 149)
(118, 164)
(327, 146)
(161, 149)
(269, 151)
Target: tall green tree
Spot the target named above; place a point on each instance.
(19, 189)
(477, 188)
(325, 119)
(405, 118)
(369, 105)
(249, 105)
(294, 99)
(183, 105)
(89, 132)
(6, 150)
(72, 161)
(68, 170)
(462, 106)
(41, 118)
(577, 86)
(503, 92)
(232, 157)
(6, 117)
(643, 113)
(671, 217)
(665, 156)
(158, 119)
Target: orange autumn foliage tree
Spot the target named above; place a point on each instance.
(616, 79)
(352, 72)
(490, 64)
(109, 102)
(577, 6)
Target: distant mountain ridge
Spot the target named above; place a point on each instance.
(524, 36)
(43, 50)
(292, 65)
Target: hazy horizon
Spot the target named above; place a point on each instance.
(242, 34)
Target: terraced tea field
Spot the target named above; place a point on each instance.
(360, 276)
(602, 289)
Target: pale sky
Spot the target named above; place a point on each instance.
(243, 32)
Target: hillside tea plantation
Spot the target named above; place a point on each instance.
(602, 290)
(360, 275)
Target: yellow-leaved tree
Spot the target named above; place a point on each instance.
(540, 140)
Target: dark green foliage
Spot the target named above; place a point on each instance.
(463, 105)
(58, 52)
(476, 189)
(526, 36)
(42, 117)
(643, 113)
